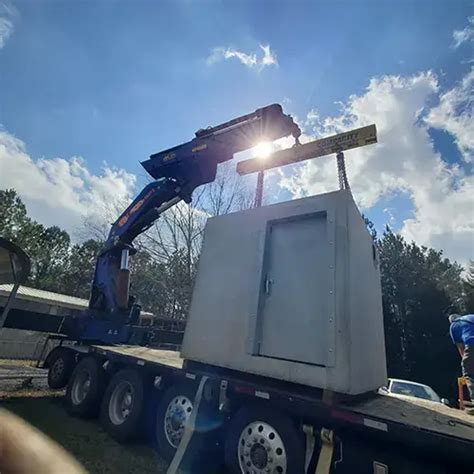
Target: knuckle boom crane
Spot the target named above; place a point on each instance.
(112, 312)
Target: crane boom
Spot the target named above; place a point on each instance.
(177, 172)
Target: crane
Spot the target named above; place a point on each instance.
(112, 312)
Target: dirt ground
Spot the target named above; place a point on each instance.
(22, 378)
(97, 452)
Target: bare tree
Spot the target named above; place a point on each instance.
(227, 193)
(96, 225)
(178, 230)
(164, 269)
(175, 240)
(181, 227)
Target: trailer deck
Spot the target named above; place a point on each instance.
(419, 414)
(414, 414)
(142, 355)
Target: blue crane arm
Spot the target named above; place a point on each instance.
(177, 172)
(110, 287)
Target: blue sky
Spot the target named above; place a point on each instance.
(114, 81)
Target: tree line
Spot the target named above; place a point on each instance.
(419, 288)
(418, 282)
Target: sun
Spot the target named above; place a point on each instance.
(262, 150)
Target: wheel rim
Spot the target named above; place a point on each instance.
(121, 402)
(58, 368)
(261, 450)
(176, 416)
(81, 387)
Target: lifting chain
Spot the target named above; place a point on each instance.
(341, 172)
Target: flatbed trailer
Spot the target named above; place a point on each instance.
(201, 417)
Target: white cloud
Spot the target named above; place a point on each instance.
(269, 57)
(392, 220)
(61, 192)
(454, 114)
(7, 13)
(218, 54)
(464, 35)
(250, 60)
(404, 161)
(6, 29)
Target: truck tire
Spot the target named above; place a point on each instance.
(85, 388)
(174, 410)
(60, 363)
(260, 439)
(123, 405)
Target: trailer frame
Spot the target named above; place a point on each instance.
(348, 425)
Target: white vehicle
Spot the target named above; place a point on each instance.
(408, 389)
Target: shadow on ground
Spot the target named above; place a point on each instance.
(85, 440)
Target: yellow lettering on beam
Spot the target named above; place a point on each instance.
(324, 146)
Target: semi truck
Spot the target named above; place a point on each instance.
(283, 350)
(267, 386)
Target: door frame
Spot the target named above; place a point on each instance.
(256, 316)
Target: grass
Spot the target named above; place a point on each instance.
(17, 362)
(27, 393)
(84, 439)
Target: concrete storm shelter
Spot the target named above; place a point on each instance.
(291, 291)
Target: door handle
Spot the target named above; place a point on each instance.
(268, 285)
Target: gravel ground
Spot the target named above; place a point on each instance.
(21, 378)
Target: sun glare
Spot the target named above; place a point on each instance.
(262, 150)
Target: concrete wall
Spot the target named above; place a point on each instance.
(223, 326)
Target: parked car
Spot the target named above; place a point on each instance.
(407, 389)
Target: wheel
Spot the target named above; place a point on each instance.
(174, 410)
(60, 366)
(123, 405)
(261, 440)
(85, 388)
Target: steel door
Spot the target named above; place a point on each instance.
(294, 311)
